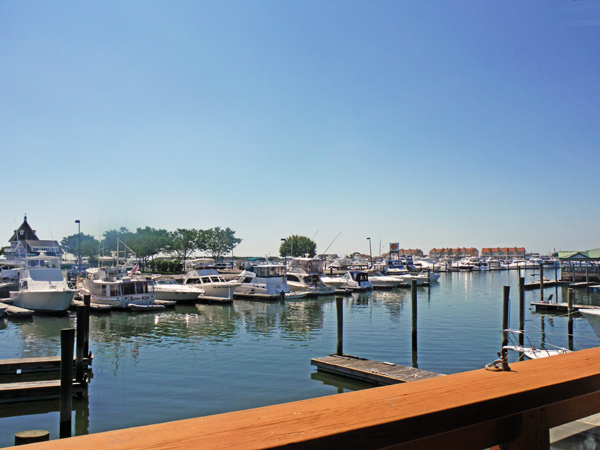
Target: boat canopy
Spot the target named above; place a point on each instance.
(309, 265)
(269, 271)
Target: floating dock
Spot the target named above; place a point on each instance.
(558, 307)
(376, 372)
(36, 390)
(23, 365)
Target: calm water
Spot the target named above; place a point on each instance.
(196, 360)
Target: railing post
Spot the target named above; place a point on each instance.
(340, 325)
(67, 338)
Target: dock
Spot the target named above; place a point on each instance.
(376, 372)
(36, 390)
(24, 365)
(558, 307)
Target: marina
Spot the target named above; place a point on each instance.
(196, 344)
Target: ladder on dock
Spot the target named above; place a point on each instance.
(376, 372)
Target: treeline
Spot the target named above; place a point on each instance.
(148, 243)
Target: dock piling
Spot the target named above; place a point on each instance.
(87, 301)
(67, 338)
(570, 318)
(79, 349)
(521, 311)
(413, 292)
(340, 325)
(541, 282)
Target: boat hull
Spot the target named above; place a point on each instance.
(44, 301)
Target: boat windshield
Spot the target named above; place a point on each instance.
(45, 275)
(269, 271)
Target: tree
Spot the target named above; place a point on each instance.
(297, 246)
(217, 242)
(148, 242)
(183, 242)
(89, 245)
(111, 236)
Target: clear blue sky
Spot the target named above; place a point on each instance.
(431, 124)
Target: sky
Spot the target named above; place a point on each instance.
(429, 124)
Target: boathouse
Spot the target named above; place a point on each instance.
(580, 266)
(25, 243)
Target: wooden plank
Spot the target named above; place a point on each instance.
(35, 390)
(381, 373)
(11, 366)
(460, 411)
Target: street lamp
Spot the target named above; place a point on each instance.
(78, 222)
(284, 253)
(370, 253)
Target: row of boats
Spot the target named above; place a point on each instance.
(40, 285)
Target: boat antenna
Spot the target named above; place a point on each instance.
(313, 238)
(325, 252)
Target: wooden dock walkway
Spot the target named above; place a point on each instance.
(558, 307)
(24, 365)
(36, 390)
(380, 373)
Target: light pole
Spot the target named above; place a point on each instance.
(370, 252)
(78, 222)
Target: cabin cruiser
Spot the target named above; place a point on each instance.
(267, 282)
(42, 286)
(593, 318)
(352, 280)
(380, 281)
(167, 288)
(215, 286)
(304, 276)
(107, 286)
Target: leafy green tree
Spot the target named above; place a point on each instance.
(89, 245)
(297, 246)
(183, 242)
(111, 236)
(148, 243)
(217, 242)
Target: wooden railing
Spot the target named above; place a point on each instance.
(470, 410)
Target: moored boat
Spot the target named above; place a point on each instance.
(42, 286)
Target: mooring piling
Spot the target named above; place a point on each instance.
(340, 325)
(67, 338)
(521, 311)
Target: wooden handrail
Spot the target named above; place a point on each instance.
(474, 409)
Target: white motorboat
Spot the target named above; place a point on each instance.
(167, 288)
(352, 280)
(42, 286)
(117, 293)
(215, 286)
(267, 282)
(593, 318)
(380, 281)
(304, 275)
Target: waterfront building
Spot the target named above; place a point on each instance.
(503, 252)
(25, 243)
(455, 253)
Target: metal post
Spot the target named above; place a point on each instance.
(340, 325)
(67, 338)
(370, 253)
